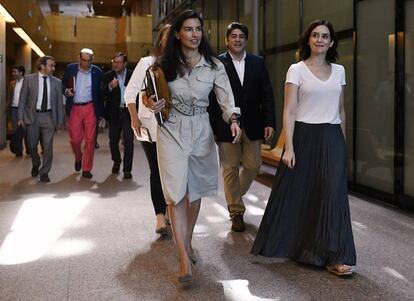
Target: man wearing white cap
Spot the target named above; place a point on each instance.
(81, 82)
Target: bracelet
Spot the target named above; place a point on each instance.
(235, 121)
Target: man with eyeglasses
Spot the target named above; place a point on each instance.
(81, 84)
(116, 113)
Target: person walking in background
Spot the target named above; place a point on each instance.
(116, 113)
(185, 145)
(81, 86)
(19, 133)
(253, 93)
(41, 112)
(307, 217)
(146, 119)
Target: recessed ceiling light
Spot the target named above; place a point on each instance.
(28, 40)
(101, 2)
(6, 15)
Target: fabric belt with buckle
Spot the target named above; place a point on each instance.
(81, 103)
(190, 110)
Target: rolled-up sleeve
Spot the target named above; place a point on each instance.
(137, 78)
(224, 94)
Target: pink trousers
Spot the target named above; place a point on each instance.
(82, 124)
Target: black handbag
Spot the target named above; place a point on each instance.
(17, 139)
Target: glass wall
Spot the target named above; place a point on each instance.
(281, 22)
(375, 94)
(228, 14)
(211, 24)
(338, 12)
(409, 100)
(278, 65)
(346, 58)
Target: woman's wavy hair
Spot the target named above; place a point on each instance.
(304, 48)
(173, 56)
(158, 49)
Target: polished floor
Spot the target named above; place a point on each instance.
(78, 239)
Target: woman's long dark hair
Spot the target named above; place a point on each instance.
(171, 60)
(304, 48)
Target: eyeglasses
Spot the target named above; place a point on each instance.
(317, 35)
(117, 62)
(86, 61)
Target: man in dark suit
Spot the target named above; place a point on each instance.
(116, 113)
(16, 141)
(81, 84)
(41, 112)
(253, 94)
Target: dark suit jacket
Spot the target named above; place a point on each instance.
(10, 93)
(112, 99)
(72, 71)
(28, 99)
(254, 98)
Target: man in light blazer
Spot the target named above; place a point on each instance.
(41, 112)
(253, 94)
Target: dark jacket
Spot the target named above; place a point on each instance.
(72, 71)
(112, 99)
(254, 98)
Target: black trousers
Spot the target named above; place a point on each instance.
(157, 195)
(115, 130)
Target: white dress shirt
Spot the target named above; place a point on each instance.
(40, 94)
(239, 64)
(16, 93)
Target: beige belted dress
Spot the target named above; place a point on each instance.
(187, 154)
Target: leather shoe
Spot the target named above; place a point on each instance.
(187, 278)
(115, 167)
(162, 231)
(237, 223)
(78, 166)
(44, 178)
(35, 171)
(86, 174)
(127, 175)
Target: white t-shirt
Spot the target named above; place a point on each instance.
(134, 87)
(318, 100)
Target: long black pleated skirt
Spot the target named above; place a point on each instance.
(307, 217)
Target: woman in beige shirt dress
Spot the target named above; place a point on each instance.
(187, 155)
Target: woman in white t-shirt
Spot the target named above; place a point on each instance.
(146, 119)
(307, 217)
